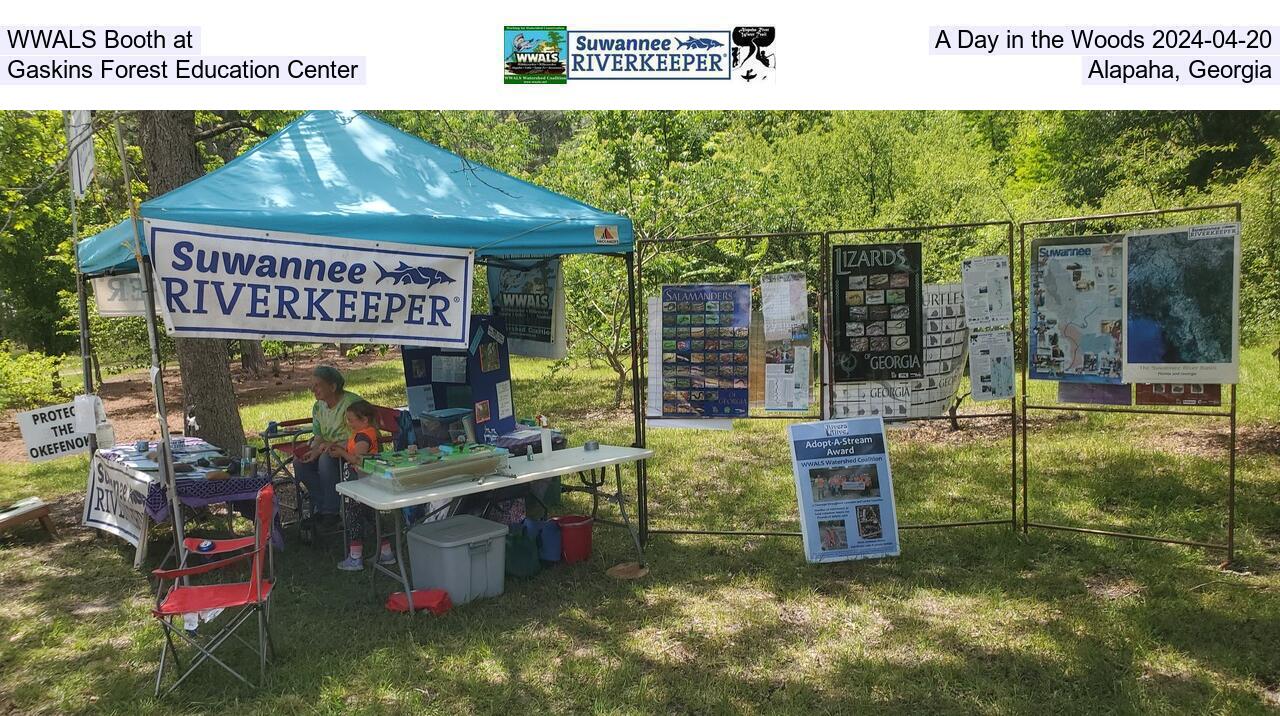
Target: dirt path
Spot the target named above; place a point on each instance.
(130, 405)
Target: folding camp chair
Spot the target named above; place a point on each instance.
(288, 442)
(251, 598)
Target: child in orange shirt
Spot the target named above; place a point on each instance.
(362, 418)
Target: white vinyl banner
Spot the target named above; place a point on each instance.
(219, 282)
(119, 296)
(115, 500)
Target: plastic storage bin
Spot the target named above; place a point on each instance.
(463, 555)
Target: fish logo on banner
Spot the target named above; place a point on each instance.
(220, 282)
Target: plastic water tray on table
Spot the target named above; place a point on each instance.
(401, 471)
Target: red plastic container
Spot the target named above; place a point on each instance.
(575, 536)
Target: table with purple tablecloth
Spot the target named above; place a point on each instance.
(148, 494)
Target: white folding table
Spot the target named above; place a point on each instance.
(374, 493)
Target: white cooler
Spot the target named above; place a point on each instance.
(463, 555)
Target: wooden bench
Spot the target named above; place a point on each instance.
(29, 510)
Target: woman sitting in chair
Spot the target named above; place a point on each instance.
(316, 468)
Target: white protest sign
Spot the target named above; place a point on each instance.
(50, 432)
(115, 501)
(219, 282)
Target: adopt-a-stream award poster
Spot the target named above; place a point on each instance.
(845, 489)
(705, 350)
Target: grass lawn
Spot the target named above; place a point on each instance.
(980, 619)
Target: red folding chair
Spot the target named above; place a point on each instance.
(251, 598)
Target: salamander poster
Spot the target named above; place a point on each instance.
(1182, 305)
(876, 322)
(705, 359)
(845, 489)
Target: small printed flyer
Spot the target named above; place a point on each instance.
(845, 489)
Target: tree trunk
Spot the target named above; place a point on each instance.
(167, 139)
(252, 360)
(97, 369)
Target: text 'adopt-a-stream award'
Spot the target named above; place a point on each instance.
(845, 489)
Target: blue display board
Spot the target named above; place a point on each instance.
(478, 378)
(845, 489)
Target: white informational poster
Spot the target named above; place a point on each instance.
(81, 160)
(988, 298)
(50, 432)
(220, 282)
(1182, 305)
(505, 407)
(845, 489)
(784, 303)
(115, 500)
(119, 296)
(888, 399)
(446, 368)
(991, 365)
(945, 344)
(422, 399)
(786, 377)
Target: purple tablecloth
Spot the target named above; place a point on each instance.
(201, 493)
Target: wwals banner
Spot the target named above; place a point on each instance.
(219, 282)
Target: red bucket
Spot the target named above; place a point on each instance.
(575, 536)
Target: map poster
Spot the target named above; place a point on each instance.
(877, 323)
(945, 345)
(1076, 312)
(1203, 394)
(991, 365)
(988, 296)
(1096, 393)
(705, 362)
(845, 489)
(1182, 305)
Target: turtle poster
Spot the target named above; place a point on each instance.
(876, 322)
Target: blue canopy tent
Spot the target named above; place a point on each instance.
(345, 174)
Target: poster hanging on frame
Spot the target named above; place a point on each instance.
(991, 365)
(987, 295)
(845, 489)
(705, 338)
(528, 293)
(945, 347)
(876, 323)
(1076, 312)
(1192, 394)
(1182, 304)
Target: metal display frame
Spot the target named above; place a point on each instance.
(825, 383)
(1230, 414)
